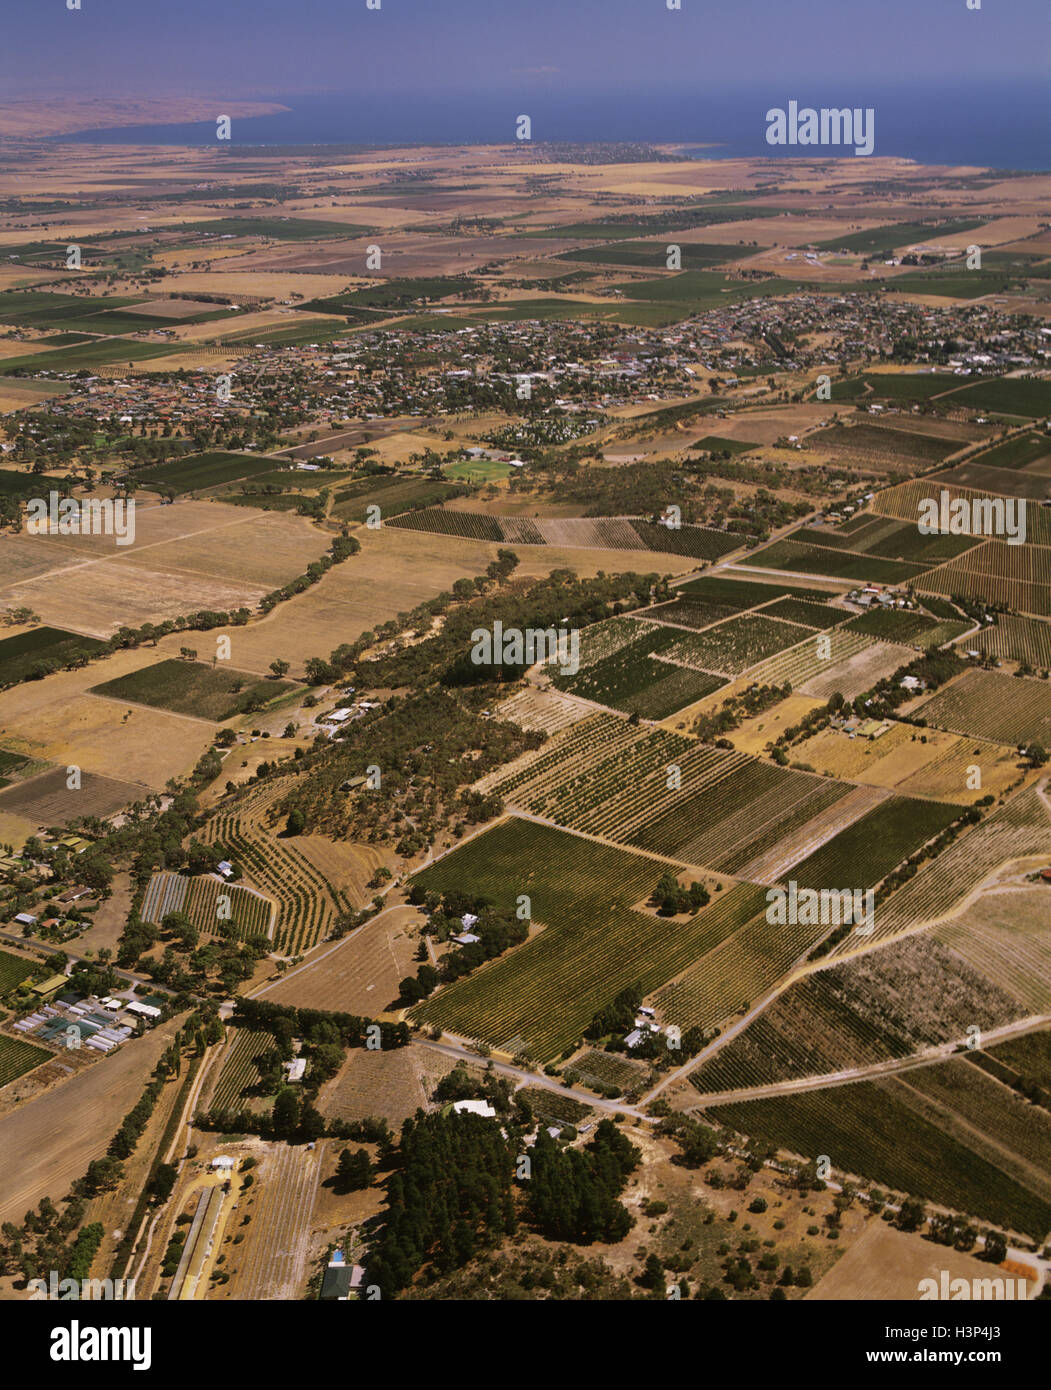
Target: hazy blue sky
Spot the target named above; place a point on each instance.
(266, 47)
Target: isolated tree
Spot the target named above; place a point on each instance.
(995, 1247)
(286, 1112)
(355, 1170)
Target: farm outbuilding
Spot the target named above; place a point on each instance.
(144, 1010)
(47, 989)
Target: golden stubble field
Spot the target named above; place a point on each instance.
(185, 557)
(919, 762)
(361, 974)
(889, 1264)
(395, 570)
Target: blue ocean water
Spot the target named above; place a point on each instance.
(1003, 126)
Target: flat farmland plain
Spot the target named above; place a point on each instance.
(59, 721)
(49, 1141)
(396, 570)
(185, 557)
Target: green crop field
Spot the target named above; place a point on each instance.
(1007, 395)
(629, 679)
(864, 853)
(899, 234)
(861, 1127)
(745, 593)
(1017, 452)
(882, 440)
(735, 644)
(697, 542)
(307, 902)
(606, 777)
(38, 309)
(1028, 1056)
(98, 353)
(12, 762)
(808, 660)
(240, 912)
(955, 281)
(1016, 639)
(1016, 576)
(614, 533)
(267, 501)
(905, 501)
(471, 525)
(802, 558)
(190, 687)
(234, 1089)
(696, 290)
(900, 625)
(885, 539)
(111, 321)
(539, 997)
(716, 444)
(397, 495)
(312, 331)
(13, 484)
(68, 339)
(812, 615)
(29, 653)
(401, 294)
(477, 470)
(909, 995)
(197, 471)
(701, 216)
(691, 612)
(731, 810)
(213, 905)
(18, 1056)
(895, 386)
(702, 602)
(741, 959)
(13, 970)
